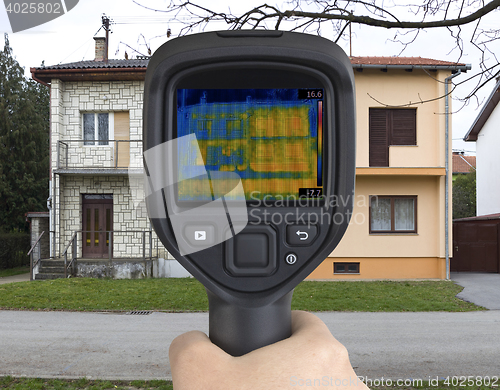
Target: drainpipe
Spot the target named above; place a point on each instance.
(447, 169)
(51, 218)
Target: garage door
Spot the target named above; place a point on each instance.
(475, 247)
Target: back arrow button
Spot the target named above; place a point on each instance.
(301, 234)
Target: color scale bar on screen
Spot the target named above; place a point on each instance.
(320, 144)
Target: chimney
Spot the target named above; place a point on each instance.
(100, 49)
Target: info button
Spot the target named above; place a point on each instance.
(200, 235)
(301, 234)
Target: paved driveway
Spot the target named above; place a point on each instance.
(479, 288)
(15, 278)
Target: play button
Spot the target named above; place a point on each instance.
(200, 235)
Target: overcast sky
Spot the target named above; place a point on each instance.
(69, 38)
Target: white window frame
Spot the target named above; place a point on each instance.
(111, 128)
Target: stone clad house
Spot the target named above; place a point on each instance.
(95, 147)
(398, 228)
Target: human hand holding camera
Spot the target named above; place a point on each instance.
(310, 355)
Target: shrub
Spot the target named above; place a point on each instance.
(13, 250)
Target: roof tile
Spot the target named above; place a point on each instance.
(401, 61)
(143, 62)
(462, 164)
(132, 63)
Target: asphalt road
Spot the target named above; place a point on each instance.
(120, 346)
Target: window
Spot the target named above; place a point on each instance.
(97, 127)
(393, 214)
(390, 127)
(346, 268)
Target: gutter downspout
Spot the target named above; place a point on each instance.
(447, 168)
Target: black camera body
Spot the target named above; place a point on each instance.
(257, 180)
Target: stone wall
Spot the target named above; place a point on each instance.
(115, 269)
(40, 224)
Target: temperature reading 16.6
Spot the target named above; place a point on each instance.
(310, 94)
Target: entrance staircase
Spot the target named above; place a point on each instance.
(50, 269)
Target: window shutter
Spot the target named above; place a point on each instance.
(122, 133)
(404, 131)
(378, 138)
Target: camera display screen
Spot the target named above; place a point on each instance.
(271, 138)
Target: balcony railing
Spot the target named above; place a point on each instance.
(99, 154)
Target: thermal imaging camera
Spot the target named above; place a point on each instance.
(249, 155)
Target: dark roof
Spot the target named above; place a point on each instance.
(463, 164)
(485, 113)
(139, 62)
(119, 70)
(133, 63)
(488, 217)
(37, 214)
(135, 69)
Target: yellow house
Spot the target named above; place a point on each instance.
(398, 228)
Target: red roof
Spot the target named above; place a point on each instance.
(462, 164)
(402, 61)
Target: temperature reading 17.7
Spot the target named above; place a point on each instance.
(310, 94)
(310, 192)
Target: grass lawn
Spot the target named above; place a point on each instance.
(14, 271)
(85, 384)
(178, 295)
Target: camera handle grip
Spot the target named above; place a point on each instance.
(239, 329)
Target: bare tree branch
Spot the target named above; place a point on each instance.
(311, 16)
(255, 16)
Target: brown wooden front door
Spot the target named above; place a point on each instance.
(97, 225)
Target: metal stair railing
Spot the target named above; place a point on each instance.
(72, 241)
(147, 250)
(33, 263)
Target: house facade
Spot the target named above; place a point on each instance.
(398, 227)
(484, 132)
(398, 223)
(95, 149)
